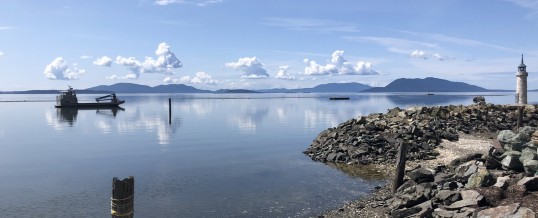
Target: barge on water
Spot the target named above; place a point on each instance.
(68, 99)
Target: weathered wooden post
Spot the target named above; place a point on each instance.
(169, 110)
(122, 201)
(519, 117)
(400, 166)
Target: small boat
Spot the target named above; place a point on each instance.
(68, 98)
(338, 98)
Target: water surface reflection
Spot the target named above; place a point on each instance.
(69, 115)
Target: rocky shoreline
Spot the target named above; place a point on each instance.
(501, 178)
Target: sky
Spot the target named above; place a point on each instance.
(255, 44)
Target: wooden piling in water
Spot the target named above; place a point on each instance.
(169, 110)
(400, 167)
(122, 201)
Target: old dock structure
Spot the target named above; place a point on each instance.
(122, 201)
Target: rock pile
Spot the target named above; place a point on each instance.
(497, 184)
(374, 138)
(520, 151)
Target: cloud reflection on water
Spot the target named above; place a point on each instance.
(248, 118)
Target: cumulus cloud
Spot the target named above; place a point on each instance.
(438, 57)
(58, 69)
(424, 55)
(113, 77)
(200, 78)
(252, 67)
(103, 61)
(170, 80)
(419, 54)
(165, 63)
(200, 3)
(338, 65)
(284, 74)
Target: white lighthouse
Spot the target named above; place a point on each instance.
(521, 86)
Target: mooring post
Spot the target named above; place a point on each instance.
(400, 166)
(169, 110)
(519, 118)
(122, 201)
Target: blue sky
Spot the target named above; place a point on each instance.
(215, 44)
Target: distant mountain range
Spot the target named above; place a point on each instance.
(428, 84)
(329, 87)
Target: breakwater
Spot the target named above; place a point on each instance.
(374, 138)
(500, 182)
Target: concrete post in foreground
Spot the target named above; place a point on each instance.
(122, 201)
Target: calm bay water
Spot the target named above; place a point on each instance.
(223, 155)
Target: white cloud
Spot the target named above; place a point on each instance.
(5, 27)
(284, 74)
(251, 66)
(424, 55)
(113, 77)
(86, 57)
(128, 76)
(200, 78)
(419, 54)
(1, 53)
(438, 57)
(170, 80)
(338, 65)
(103, 61)
(165, 63)
(58, 69)
(200, 3)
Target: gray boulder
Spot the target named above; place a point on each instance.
(502, 182)
(512, 163)
(424, 209)
(421, 175)
(511, 153)
(481, 178)
(505, 136)
(530, 183)
(411, 194)
(511, 210)
(466, 169)
(528, 154)
(463, 203)
(447, 197)
(516, 142)
(531, 166)
(471, 195)
(529, 158)
(441, 213)
(526, 133)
